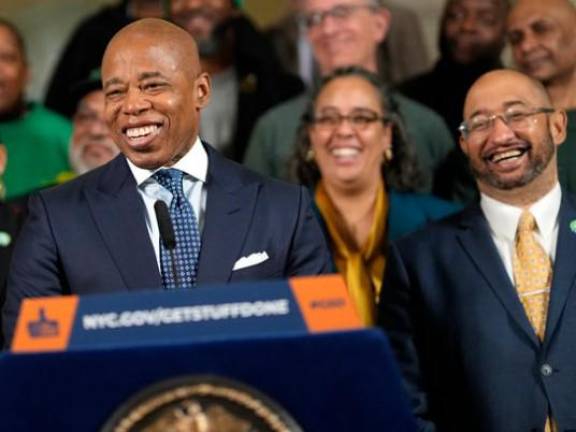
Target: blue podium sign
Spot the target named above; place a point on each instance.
(299, 305)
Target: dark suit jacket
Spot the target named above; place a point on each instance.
(11, 217)
(90, 235)
(470, 358)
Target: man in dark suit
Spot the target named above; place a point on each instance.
(480, 308)
(99, 232)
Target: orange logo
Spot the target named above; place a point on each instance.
(325, 303)
(44, 324)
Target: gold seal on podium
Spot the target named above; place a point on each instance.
(200, 404)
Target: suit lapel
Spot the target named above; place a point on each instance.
(119, 214)
(229, 209)
(477, 242)
(564, 267)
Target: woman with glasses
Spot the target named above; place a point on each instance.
(353, 152)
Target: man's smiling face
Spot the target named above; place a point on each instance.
(510, 155)
(154, 93)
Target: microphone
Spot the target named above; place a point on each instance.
(167, 234)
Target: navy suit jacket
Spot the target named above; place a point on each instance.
(469, 356)
(90, 235)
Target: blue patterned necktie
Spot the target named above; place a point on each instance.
(187, 249)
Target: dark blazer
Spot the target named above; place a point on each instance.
(11, 217)
(470, 358)
(90, 235)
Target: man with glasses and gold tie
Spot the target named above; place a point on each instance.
(480, 308)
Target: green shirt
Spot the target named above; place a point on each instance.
(37, 145)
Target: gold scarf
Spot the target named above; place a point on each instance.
(362, 269)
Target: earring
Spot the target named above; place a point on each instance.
(310, 155)
(388, 154)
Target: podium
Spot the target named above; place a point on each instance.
(330, 381)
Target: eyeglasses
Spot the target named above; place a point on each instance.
(338, 13)
(479, 126)
(359, 120)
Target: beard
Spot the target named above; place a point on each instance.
(537, 164)
(210, 47)
(476, 54)
(79, 162)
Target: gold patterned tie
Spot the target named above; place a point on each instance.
(532, 273)
(533, 277)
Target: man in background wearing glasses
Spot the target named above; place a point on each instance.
(344, 33)
(480, 308)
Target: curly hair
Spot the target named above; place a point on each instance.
(401, 173)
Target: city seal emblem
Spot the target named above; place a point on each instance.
(203, 403)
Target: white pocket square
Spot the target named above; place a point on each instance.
(250, 260)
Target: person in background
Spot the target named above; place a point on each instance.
(345, 33)
(352, 152)
(480, 308)
(543, 40)
(246, 74)
(91, 144)
(36, 138)
(472, 37)
(83, 51)
(402, 55)
(288, 37)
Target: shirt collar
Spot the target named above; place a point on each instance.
(194, 163)
(503, 218)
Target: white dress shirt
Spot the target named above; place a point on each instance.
(194, 164)
(503, 220)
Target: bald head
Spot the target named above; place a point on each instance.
(542, 35)
(154, 90)
(557, 7)
(504, 86)
(161, 34)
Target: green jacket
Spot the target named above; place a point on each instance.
(37, 146)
